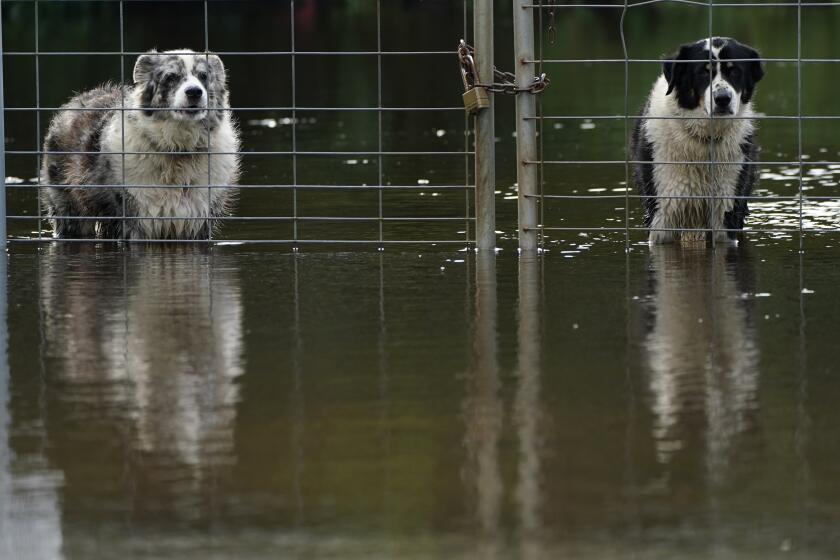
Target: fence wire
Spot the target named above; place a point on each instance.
(462, 233)
(381, 214)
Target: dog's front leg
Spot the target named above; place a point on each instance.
(717, 222)
(661, 232)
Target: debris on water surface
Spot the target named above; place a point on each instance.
(267, 123)
(273, 123)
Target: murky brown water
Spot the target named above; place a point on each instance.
(186, 403)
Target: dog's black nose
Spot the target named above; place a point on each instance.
(723, 98)
(194, 93)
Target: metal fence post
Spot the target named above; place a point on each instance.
(526, 124)
(2, 147)
(485, 135)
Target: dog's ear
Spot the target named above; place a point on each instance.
(754, 73)
(144, 66)
(217, 67)
(674, 71)
(756, 66)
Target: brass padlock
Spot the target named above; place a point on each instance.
(475, 98)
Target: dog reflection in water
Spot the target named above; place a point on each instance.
(700, 351)
(145, 348)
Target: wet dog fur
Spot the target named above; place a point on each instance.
(699, 108)
(178, 105)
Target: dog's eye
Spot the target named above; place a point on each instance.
(170, 77)
(202, 76)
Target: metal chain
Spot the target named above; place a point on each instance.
(504, 82)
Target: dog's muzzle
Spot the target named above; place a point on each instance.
(191, 102)
(194, 95)
(722, 98)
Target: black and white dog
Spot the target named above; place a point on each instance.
(699, 110)
(178, 105)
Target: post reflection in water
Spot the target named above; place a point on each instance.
(701, 353)
(298, 403)
(6, 544)
(484, 410)
(5, 452)
(144, 349)
(527, 408)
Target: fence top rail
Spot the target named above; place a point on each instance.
(423, 242)
(228, 53)
(129, 218)
(222, 109)
(685, 162)
(247, 187)
(698, 3)
(129, 1)
(661, 60)
(645, 229)
(532, 5)
(758, 117)
(241, 153)
(792, 197)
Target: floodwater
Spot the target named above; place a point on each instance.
(180, 402)
(423, 401)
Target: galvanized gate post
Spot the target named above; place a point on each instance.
(526, 124)
(2, 147)
(485, 135)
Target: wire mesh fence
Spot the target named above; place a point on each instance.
(378, 166)
(796, 192)
(377, 169)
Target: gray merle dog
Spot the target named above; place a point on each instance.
(153, 162)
